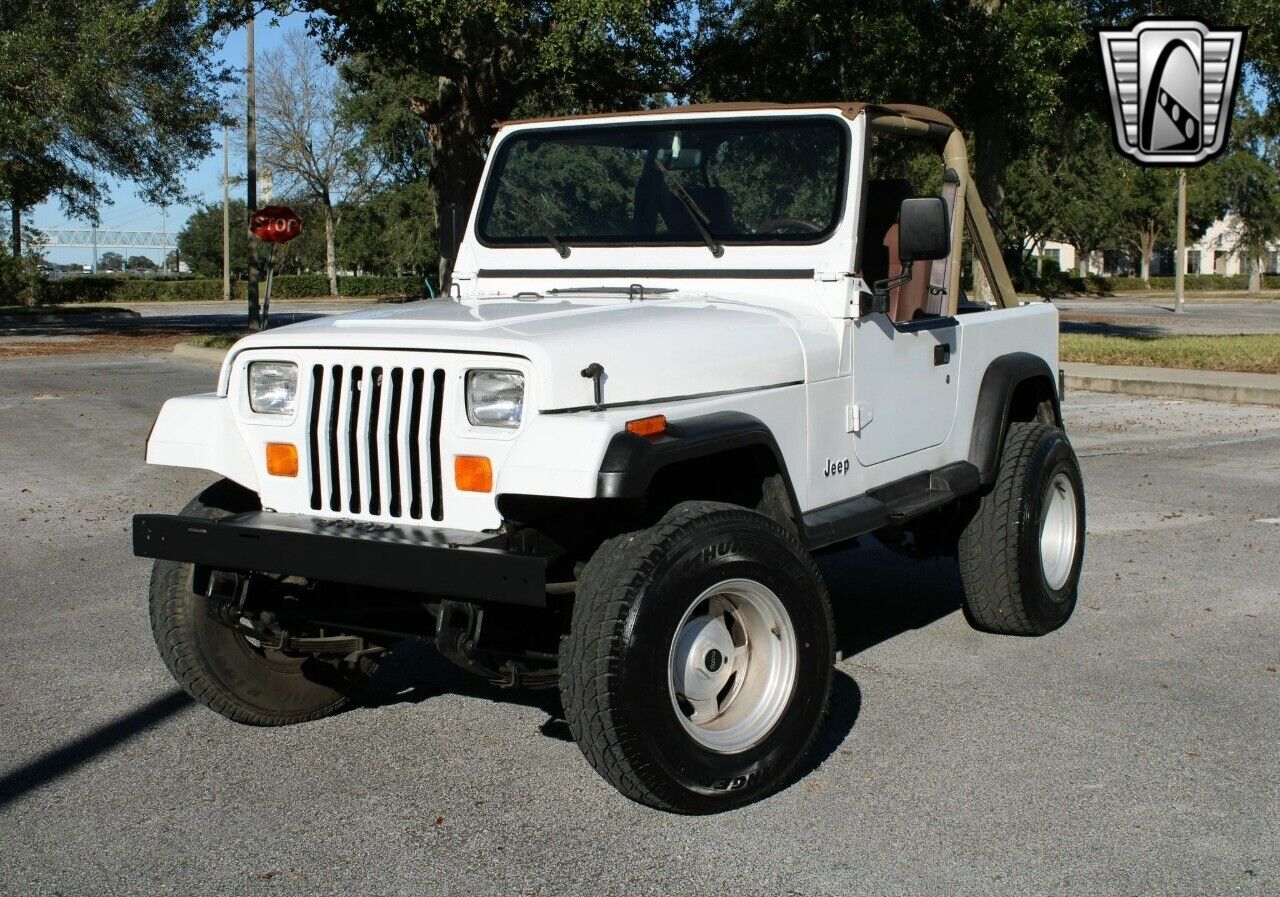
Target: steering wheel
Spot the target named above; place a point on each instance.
(773, 225)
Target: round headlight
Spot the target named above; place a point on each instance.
(273, 387)
(495, 398)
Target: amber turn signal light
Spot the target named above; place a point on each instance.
(472, 473)
(282, 459)
(648, 426)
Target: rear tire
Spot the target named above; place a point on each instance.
(1021, 552)
(698, 666)
(220, 668)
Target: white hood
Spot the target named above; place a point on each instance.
(656, 348)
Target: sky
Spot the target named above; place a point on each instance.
(204, 181)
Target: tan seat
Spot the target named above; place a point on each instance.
(912, 297)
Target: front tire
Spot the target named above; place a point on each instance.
(1021, 552)
(219, 667)
(698, 667)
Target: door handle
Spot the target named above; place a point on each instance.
(941, 353)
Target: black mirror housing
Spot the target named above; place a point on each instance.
(924, 233)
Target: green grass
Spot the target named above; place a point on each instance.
(216, 340)
(1254, 353)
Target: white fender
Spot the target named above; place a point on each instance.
(199, 431)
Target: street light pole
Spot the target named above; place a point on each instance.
(1180, 257)
(226, 218)
(251, 141)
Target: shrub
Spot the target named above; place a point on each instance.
(1054, 284)
(100, 288)
(1190, 282)
(15, 285)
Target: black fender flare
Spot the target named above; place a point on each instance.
(630, 462)
(995, 397)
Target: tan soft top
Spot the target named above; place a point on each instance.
(846, 108)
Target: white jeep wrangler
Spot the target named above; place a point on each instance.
(684, 350)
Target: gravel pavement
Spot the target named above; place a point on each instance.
(1132, 752)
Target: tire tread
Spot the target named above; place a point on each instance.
(591, 653)
(169, 610)
(989, 545)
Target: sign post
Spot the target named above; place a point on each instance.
(274, 225)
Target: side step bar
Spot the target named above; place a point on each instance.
(888, 505)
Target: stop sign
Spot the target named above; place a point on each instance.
(275, 224)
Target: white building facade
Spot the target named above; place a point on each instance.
(1213, 253)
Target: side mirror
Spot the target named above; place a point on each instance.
(924, 233)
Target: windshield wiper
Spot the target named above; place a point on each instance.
(527, 201)
(634, 289)
(699, 218)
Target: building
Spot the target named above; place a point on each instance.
(1214, 253)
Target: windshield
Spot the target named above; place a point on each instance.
(775, 180)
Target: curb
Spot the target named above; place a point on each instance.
(1210, 386)
(199, 353)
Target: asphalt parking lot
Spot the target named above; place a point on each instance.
(1132, 752)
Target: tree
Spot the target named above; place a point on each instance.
(392, 233)
(304, 141)
(943, 53)
(1092, 173)
(141, 263)
(111, 261)
(1009, 73)
(479, 63)
(1030, 211)
(1147, 208)
(1252, 186)
(200, 240)
(114, 89)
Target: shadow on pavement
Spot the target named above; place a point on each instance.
(61, 761)
(877, 595)
(1112, 328)
(89, 325)
(414, 671)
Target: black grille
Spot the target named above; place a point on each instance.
(374, 440)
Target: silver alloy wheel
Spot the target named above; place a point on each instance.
(732, 665)
(1059, 531)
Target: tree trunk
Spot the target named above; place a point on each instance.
(330, 255)
(1146, 248)
(458, 122)
(1082, 262)
(1255, 274)
(991, 146)
(1040, 258)
(17, 231)
(456, 182)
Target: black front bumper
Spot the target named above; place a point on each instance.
(447, 563)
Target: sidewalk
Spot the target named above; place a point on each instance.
(1214, 386)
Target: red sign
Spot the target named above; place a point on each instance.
(275, 224)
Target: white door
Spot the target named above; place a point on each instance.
(904, 385)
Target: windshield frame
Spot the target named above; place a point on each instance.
(504, 147)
